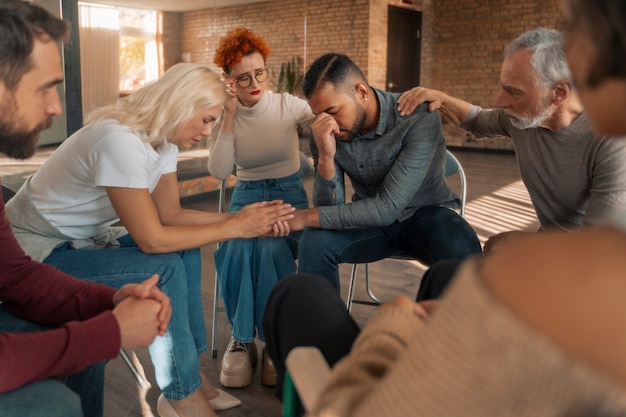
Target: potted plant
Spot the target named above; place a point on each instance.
(289, 76)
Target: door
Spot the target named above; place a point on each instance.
(403, 49)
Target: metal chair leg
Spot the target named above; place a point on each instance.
(368, 286)
(351, 288)
(141, 379)
(216, 290)
(216, 310)
(349, 301)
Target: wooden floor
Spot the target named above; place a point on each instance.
(497, 201)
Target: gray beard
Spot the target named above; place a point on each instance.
(530, 122)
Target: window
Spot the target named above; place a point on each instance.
(133, 32)
(138, 48)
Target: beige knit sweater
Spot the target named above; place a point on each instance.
(472, 357)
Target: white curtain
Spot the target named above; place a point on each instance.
(99, 56)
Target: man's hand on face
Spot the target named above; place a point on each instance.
(324, 129)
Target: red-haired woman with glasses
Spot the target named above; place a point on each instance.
(258, 133)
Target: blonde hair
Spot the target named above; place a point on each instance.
(160, 108)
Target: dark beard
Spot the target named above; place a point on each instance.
(18, 143)
(358, 124)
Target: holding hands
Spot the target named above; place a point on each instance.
(422, 309)
(265, 218)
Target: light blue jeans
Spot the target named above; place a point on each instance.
(74, 396)
(174, 355)
(248, 269)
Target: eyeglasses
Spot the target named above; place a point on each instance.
(245, 80)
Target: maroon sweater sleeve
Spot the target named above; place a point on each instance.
(88, 332)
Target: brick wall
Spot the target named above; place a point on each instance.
(462, 40)
(170, 37)
(331, 26)
(470, 36)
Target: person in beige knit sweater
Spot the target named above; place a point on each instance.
(536, 329)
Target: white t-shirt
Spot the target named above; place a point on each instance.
(68, 190)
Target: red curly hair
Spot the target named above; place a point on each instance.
(235, 45)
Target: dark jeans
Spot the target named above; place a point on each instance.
(306, 310)
(432, 234)
(78, 394)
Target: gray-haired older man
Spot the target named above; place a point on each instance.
(575, 178)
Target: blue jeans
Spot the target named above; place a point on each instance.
(248, 269)
(174, 355)
(431, 234)
(74, 396)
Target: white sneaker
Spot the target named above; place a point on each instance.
(237, 364)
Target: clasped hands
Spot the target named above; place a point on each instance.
(142, 312)
(421, 309)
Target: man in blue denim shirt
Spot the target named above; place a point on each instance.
(396, 165)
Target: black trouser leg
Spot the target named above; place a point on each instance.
(437, 278)
(306, 310)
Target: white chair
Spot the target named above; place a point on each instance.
(453, 166)
(216, 291)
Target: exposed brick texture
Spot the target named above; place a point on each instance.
(470, 36)
(170, 38)
(462, 40)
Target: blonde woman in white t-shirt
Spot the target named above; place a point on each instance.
(122, 166)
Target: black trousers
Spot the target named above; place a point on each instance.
(306, 310)
(436, 279)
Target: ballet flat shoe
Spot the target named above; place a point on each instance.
(224, 401)
(165, 409)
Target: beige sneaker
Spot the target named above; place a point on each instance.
(237, 364)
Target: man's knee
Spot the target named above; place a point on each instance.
(301, 284)
(295, 291)
(446, 228)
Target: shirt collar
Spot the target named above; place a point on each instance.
(386, 106)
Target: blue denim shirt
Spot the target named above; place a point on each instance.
(394, 170)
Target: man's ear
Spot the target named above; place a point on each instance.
(362, 90)
(562, 90)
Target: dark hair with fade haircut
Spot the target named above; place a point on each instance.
(331, 68)
(20, 24)
(604, 21)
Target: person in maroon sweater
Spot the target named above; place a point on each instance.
(55, 331)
